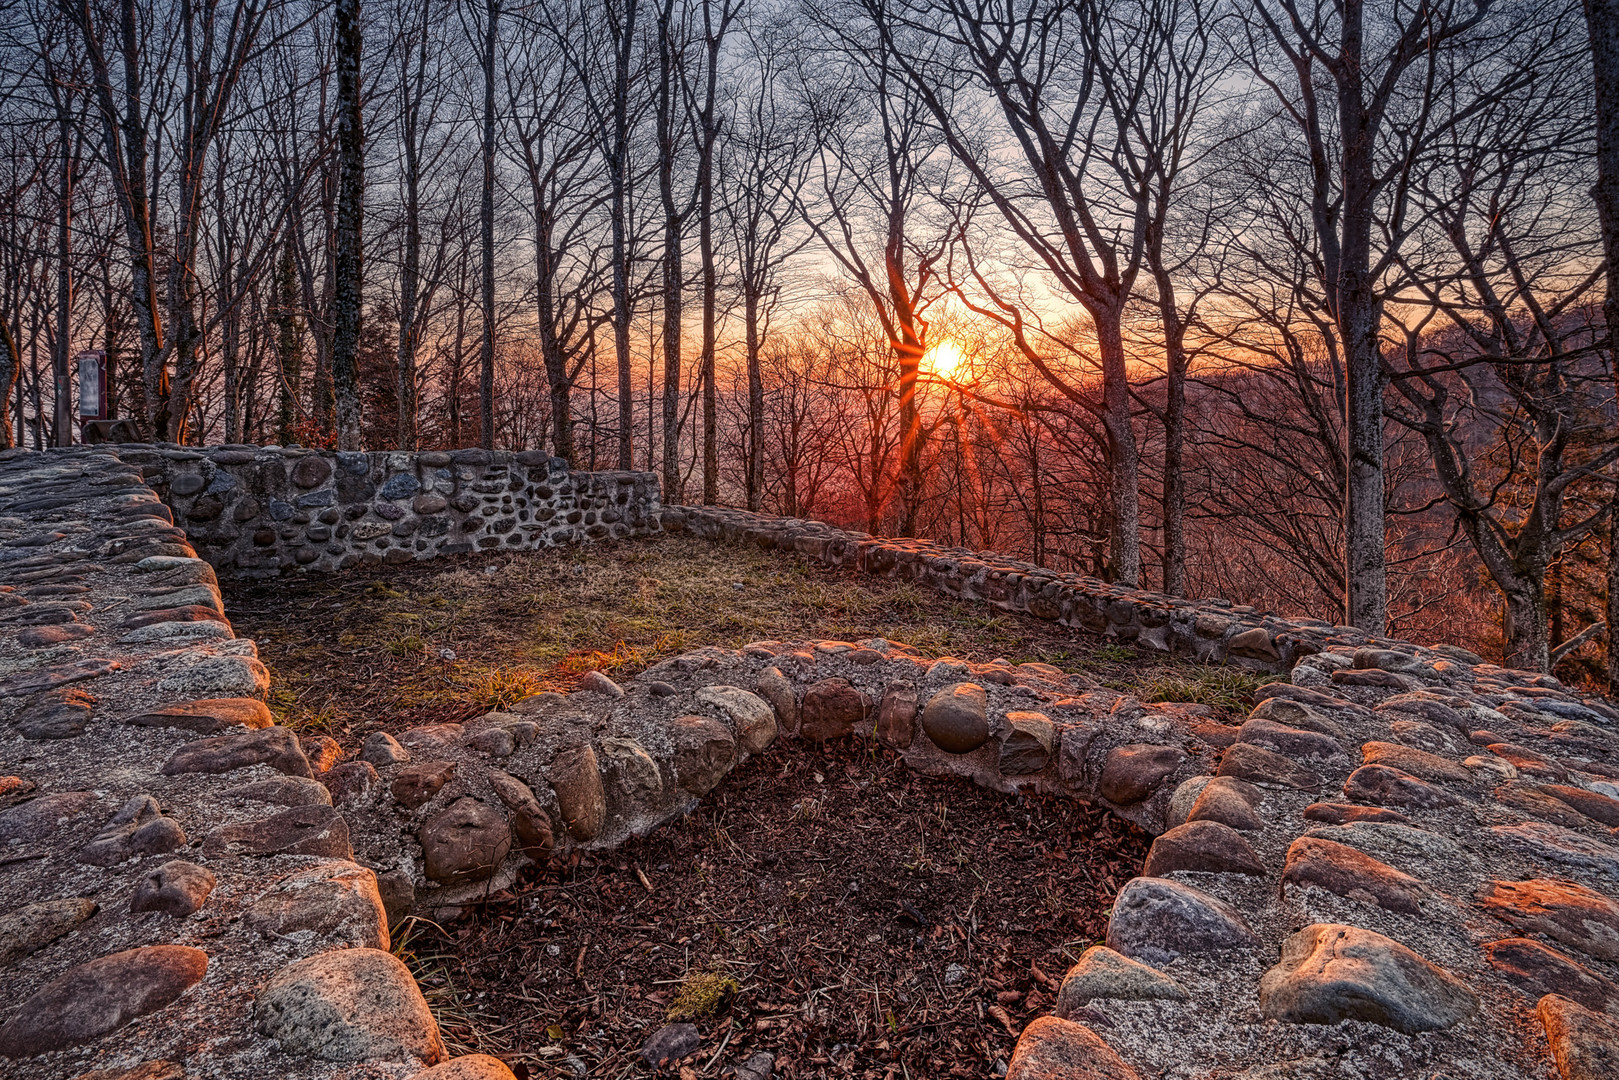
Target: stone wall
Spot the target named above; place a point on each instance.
(1402, 863)
(263, 511)
(1210, 630)
(178, 896)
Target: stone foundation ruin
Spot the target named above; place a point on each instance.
(1401, 864)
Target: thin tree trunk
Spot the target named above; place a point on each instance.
(1124, 466)
(1358, 315)
(346, 300)
(672, 269)
(486, 233)
(1174, 491)
(756, 403)
(411, 261)
(1602, 22)
(618, 161)
(10, 367)
(62, 377)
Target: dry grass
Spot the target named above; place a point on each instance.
(449, 640)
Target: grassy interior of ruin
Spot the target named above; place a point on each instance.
(825, 903)
(444, 641)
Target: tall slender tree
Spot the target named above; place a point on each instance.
(348, 270)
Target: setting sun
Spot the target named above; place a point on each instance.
(945, 359)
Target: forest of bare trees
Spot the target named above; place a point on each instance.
(1301, 302)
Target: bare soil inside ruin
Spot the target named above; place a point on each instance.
(445, 641)
(828, 906)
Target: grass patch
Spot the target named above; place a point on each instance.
(447, 640)
(1230, 689)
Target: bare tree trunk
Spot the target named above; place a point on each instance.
(713, 39)
(618, 161)
(1613, 599)
(62, 376)
(1602, 22)
(1124, 465)
(10, 367)
(350, 223)
(756, 403)
(486, 232)
(411, 260)
(288, 348)
(1174, 492)
(673, 222)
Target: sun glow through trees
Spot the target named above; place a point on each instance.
(945, 359)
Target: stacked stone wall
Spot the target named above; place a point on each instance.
(264, 511)
(1402, 863)
(1210, 630)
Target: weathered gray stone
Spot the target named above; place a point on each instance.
(38, 818)
(1028, 744)
(348, 1005)
(1051, 1048)
(466, 841)
(896, 715)
(753, 718)
(1202, 846)
(34, 926)
(382, 749)
(1538, 971)
(219, 676)
(416, 784)
(302, 830)
(283, 791)
(1266, 768)
(773, 686)
(530, 823)
(1572, 914)
(1340, 869)
(176, 888)
(276, 747)
(577, 782)
(1584, 1044)
(1103, 973)
(1291, 741)
(1561, 846)
(830, 710)
(705, 750)
(1387, 786)
(1156, 920)
(595, 682)
(469, 1067)
(206, 716)
(138, 828)
(94, 998)
(1329, 972)
(1229, 801)
(955, 718)
(337, 903)
(1418, 763)
(1132, 773)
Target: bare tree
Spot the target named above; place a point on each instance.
(876, 172)
(763, 173)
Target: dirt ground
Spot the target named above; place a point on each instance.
(829, 906)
